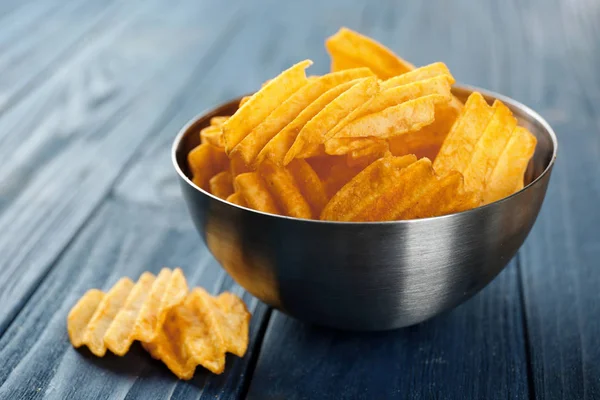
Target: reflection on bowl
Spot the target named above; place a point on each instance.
(368, 276)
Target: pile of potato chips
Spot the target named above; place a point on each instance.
(182, 328)
(356, 144)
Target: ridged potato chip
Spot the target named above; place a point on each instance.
(317, 130)
(347, 47)
(255, 192)
(127, 312)
(365, 188)
(221, 185)
(396, 120)
(284, 189)
(200, 331)
(284, 114)
(237, 198)
(205, 161)
(262, 103)
(366, 155)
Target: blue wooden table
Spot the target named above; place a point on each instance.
(92, 94)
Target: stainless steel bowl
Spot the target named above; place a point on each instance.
(368, 276)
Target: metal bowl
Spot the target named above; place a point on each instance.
(367, 276)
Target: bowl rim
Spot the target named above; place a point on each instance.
(505, 99)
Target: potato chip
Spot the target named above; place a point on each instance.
(366, 155)
(238, 199)
(457, 149)
(284, 189)
(396, 95)
(256, 140)
(340, 146)
(488, 148)
(279, 145)
(310, 185)
(417, 74)
(349, 45)
(243, 101)
(221, 185)
(205, 161)
(262, 103)
(507, 175)
(317, 130)
(107, 310)
(255, 192)
(200, 332)
(397, 120)
(333, 171)
(435, 199)
(126, 313)
(365, 188)
(81, 314)
(218, 121)
(212, 135)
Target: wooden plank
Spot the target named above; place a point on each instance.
(121, 240)
(473, 352)
(83, 125)
(27, 58)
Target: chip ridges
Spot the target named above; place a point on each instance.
(201, 331)
(128, 311)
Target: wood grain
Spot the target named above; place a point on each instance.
(80, 129)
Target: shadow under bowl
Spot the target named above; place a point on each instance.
(368, 276)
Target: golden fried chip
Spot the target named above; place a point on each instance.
(200, 332)
(221, 185)
(310, 184)
(488, 148)
(238, 199)
(205, 161)
(218, 120)
(255, 192)
(126, 313)
(397, 120)
(284, 189)
(284, 114)
(105, 313)
(340, 146)
(436, 199)
(396, 95)
(81, 314)
(281, 143)
(365, 188)
(333, 171)
(349, 45)
(417, 74)
(507, 176)
(243, 101)
(366, 155)
(317, 130)
(212, 135)
(457, 149)
(262, 103)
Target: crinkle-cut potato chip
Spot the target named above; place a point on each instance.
(212, 135)
(363, 190)
(366, 155)
(488, 148)
(255, 192)
(396, 95)
(435, 199)
(417, 74)
(508, 173)
(200, 331)
(284, 189)
(221, 185)
(340, 146)
(349, 45)
(205, 161)
(262, 103)
(219, 120)
(127, 312)
(251, 145)
(317, 130)
(280, 144)
(311, 186)
(243, 101)
(396, 120)
(237, 198)
(457, 149)
(333, 171)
